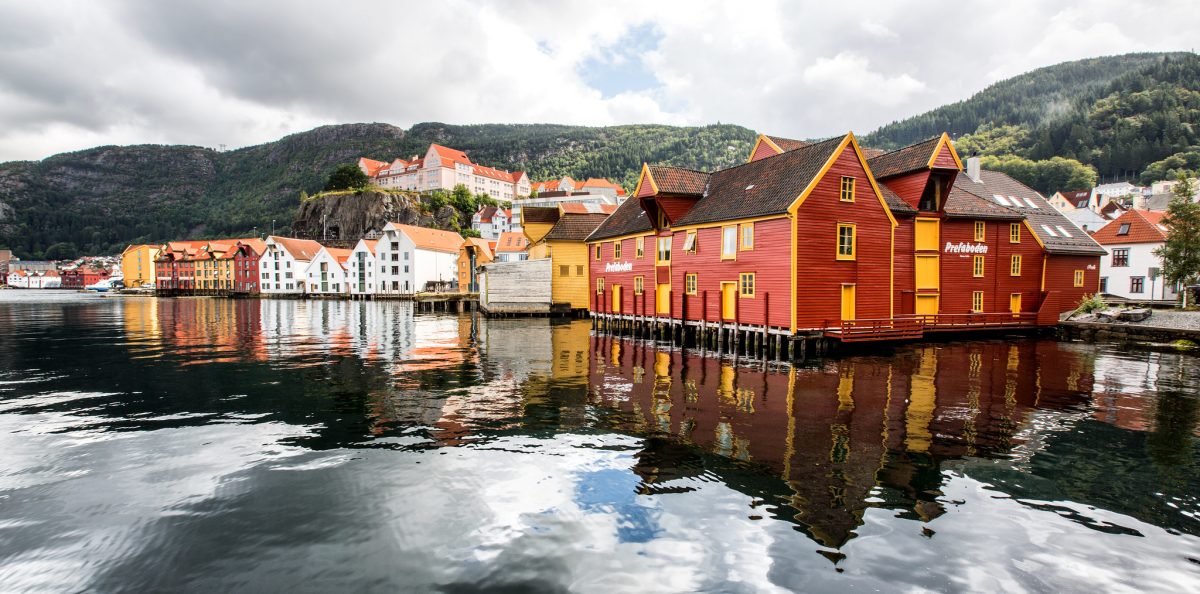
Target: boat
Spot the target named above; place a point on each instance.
(104, 285)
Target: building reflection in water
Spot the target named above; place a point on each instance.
(816, 445)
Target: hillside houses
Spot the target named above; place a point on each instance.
(1131, 269)
(443, 168)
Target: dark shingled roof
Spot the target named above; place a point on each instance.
(995, 182)
(539, 214)
(677, 180)
(895, 202)
(575, 227)
(962, 203)
(910, 158)
(627, 220)
(787, 144)
(760, 188)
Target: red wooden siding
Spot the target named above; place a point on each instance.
(905, 266)
(909, 187)
(944, 159)
(1060, 277)
(675, 206)
(762, 151)
(819, 276)
(643, 267)
(957, 270)
(769, 261)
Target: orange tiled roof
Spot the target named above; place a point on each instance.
(575, 208)
(1144, 227)
(371, 166)
(431, 239)
(300, 249)
(511, 241)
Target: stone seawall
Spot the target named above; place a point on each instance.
(1093, 331)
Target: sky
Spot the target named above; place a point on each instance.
(79, 74)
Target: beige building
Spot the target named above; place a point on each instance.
(444, 168)
(137, 264)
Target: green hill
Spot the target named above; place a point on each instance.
(98, 200)
(1133, 117)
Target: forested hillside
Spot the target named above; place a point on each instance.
(1133, 117)
(98, 200)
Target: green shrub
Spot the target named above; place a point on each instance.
(1090, 304)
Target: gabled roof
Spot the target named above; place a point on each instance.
(904, 160)
(628, 219)
(484, 246)
(303, 250)
(1144, 227)
(486, 213)
(340, 255)
(575, 227)
(962, 203)
(1044, 216)
(895, 202)
(600, 182)
(675, 180)
(257, 245)
(1077, 198)
(763, 187)
(450, 154)
(425, 238)
(511, 241)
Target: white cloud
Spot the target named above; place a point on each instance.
(238, 73)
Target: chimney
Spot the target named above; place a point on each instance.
(973, 169)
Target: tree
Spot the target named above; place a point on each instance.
(63, 250)
(469, 232)
(436, 200)
(462, 199)
(347, 177)
(1181, 253)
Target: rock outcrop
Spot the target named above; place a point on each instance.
(347, 217)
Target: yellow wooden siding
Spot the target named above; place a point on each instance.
(927, 234)
(927, 305)
(928, 272)
(573, 288)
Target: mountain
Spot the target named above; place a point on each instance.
(98, 200)
(1134, 117)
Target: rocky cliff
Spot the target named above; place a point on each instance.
(347, 217)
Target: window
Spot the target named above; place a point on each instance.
(746, 284)
(1136, 284)
(728, 243)
(845, 241)
(599, 285)
(1078, 278)
(1124, 230)
(641, 246)
(579, 270)
(980, 229)
(747, 236)
(689, 283)
(664, 249)
(1015, 267)
(597, 251)
(847, 189)
(1049, 231)
(564, 270)
(1104, 284)
(689, 243)
(977, 266)
(1120, 257)
(638, 285)
(616, 250)
(1001, 200)
(977, 301)
(1063, 231)
(1014, 233)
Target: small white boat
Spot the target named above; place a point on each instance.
(100, 286)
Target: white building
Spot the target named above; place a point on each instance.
(42, 279)
(361, 269)
(283, 265)
(1131, 269)
(410, 257)
(444, 168)
(326, 273)
(491, 221)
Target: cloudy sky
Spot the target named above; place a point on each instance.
(81, 74)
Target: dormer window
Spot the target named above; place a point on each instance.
(1124, 230)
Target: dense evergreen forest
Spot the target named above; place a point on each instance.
(1134, 117)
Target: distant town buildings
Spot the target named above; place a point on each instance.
(1131, 269)
(442, 168)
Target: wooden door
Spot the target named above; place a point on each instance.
(1014, 303)
(728, 300)
(848, 294)
(616, 299)
(927, 305)
(662, 299)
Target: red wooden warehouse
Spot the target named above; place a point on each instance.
(834, 238)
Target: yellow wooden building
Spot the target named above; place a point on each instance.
(137, 264)
(563, 242)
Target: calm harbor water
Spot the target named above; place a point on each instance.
(214, 445)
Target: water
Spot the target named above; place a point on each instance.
(213, 445)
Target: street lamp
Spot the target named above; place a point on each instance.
(272, 226)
